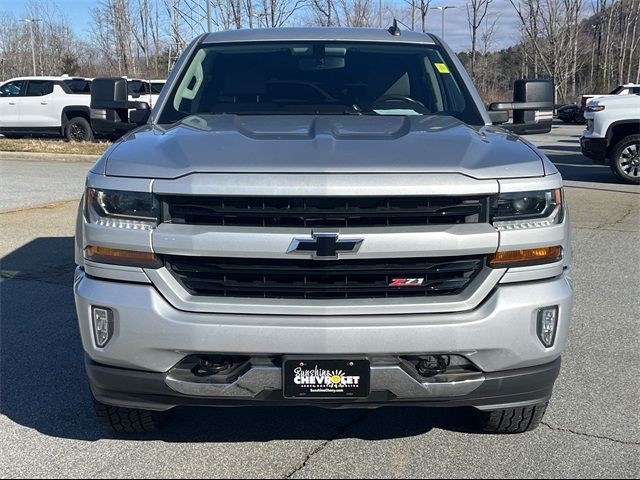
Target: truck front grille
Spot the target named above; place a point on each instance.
(324, 211)
(317, 279)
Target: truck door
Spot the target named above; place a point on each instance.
(10, 99)
(38, 106)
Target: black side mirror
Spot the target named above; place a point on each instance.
(532, 106)
(498, 117)
(139, 116)
(111, 111)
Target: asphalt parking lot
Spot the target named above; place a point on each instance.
(47, 425)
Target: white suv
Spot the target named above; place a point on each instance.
(46, 106)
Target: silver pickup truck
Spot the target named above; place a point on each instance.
(321, 217)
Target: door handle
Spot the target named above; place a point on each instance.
(12, 103)
(44, 103)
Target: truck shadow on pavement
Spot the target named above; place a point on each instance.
(43, 385)
(575, 167)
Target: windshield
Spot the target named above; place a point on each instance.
(320, 78)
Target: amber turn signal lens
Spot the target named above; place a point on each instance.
(115, 256)
(523, 258)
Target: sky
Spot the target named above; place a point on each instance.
(456, 28)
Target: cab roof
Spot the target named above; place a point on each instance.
(318, 33)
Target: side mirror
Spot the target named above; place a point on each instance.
(139, 116)
(111, 111)
(532, 106)
(498, 117)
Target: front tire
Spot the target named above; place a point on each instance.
(128, 420)
(78, 130)
(625, 160)
(512, 420)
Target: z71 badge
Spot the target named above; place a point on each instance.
(406, 282)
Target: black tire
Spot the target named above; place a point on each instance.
(128, 420)
(625, 159)
(512, 420)
(78, 130)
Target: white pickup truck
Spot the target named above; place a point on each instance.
(626, 89)
(613, 133)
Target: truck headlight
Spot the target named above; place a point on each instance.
(522, 210)
(121, 209)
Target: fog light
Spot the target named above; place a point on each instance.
(102, 325)
(547, 325)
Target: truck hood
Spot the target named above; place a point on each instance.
(321, 144)
(631, 100)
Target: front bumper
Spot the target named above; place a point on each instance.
(262, 386)
(594, 148)
(150, 334)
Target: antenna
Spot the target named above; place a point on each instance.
(394, 29)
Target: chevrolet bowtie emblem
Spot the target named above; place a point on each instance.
(324, 246)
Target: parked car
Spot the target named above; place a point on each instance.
(363, 236)
(571, 113)
(613, 134)
(626, 89)
(46, 106)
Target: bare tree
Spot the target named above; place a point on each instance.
(423, 10)
(552, 42)
(278, 12)
(325, 13)
(476, 13)
(113, 34)
(418, 11)
(487, 45)
(357, 13)
(634, 43)
(52, 33)
(413, 6)
(579, 44)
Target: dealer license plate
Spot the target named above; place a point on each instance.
(311, 378)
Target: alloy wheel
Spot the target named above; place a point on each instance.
(78, 132)
(630, 161)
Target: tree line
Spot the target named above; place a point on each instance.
(583, 45)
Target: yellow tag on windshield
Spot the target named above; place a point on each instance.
(442, 68)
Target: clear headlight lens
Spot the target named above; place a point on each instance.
(523, 210)
(121, 209)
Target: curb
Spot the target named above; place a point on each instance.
(49, 157)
